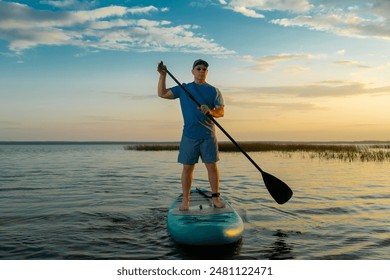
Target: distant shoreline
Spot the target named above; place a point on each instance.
(81, 142)
(362, 142)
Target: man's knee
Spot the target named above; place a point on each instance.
(188, 168)
(211, 167)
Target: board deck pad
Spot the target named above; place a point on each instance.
(200, 205)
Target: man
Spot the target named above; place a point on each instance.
(198, 137)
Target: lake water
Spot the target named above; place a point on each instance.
(103, 202)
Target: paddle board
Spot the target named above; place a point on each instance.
(204, 224)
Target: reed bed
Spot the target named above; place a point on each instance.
(344, 152)
(153, 147)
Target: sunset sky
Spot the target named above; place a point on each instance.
(289, 70)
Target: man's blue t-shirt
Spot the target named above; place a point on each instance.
(196, 124)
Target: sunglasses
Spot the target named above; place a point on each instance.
(200, 68)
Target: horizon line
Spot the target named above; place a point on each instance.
(110, 142)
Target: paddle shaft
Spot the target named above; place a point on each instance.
(216, 123)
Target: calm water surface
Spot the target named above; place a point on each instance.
(102, 202)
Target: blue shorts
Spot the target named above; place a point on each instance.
(191, 149)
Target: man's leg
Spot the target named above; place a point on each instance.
(213, 173)
(186, 183)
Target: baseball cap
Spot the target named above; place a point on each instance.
(200, 62)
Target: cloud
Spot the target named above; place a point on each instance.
(362, 21)
(330, 88)
(131, 96)
(251, 8)
(268, 62)
(247, 12)
(9, 125)
(107, 28)
(295, 69)
(359, 19)
(69, 3)
(285, 106)
(341, 52)
(351, 63)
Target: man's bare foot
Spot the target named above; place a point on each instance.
(218, 203)
(185, 204)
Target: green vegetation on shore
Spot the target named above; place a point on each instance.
(328, 151)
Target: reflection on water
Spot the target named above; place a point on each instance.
(220, 252)
(280, 249)
(101, 202)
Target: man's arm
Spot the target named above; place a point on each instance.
(217, 112)
(162, 90)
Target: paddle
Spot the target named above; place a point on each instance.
(279, 190)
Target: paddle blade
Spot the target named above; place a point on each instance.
(277, 188)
